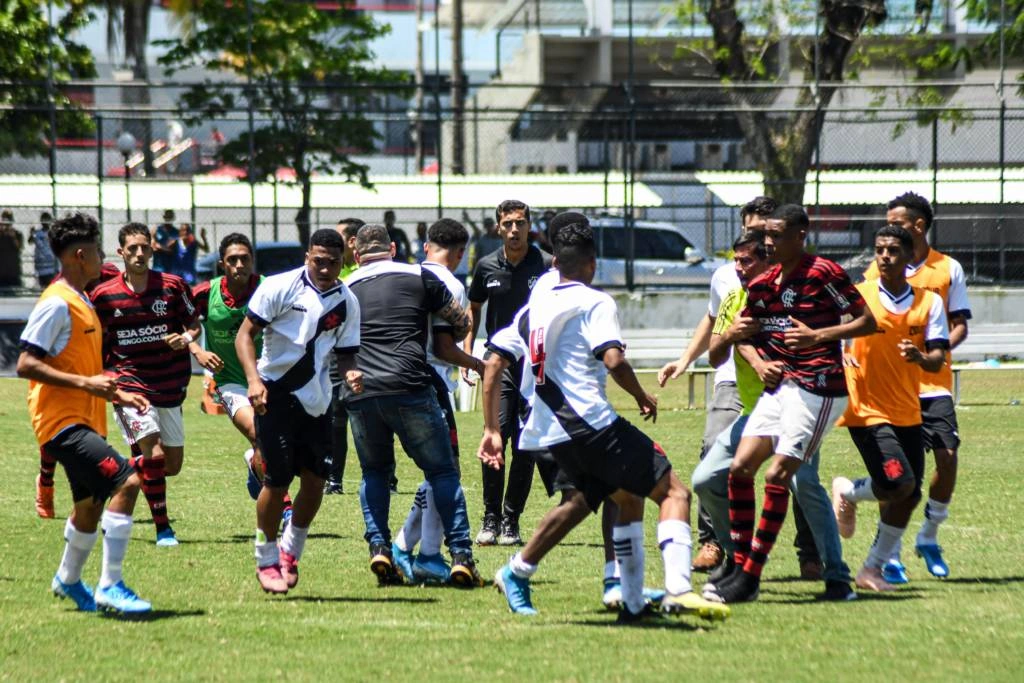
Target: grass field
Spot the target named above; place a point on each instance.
(211, 622)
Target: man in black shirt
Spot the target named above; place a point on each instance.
(503, 279)
(398, 398)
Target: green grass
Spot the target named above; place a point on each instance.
(212, 622)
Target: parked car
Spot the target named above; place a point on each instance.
(271, 258)
(663, 256)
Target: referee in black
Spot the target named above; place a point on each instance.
(503, 280)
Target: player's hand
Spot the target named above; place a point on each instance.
(910, 352)
(258, 397)
(491, 451)
(467, 375)
(671, 370)
(799, 336)
(136, 401)
(849, 361)
(103, 386)
(742, 327)
(176, 341)
(210, 361)
(770, 373)
(354, 379)
(648, 407)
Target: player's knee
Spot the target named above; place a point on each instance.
(131, 485)
(778, 475)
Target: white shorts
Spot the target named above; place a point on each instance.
(233, 397)
(166, 422)
(795, 419)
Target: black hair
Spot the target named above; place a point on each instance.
(328, 238)
(511, 205)
(448, 233)
(574, 248)
(793, 215)
(900, 233)
(131, 229)
(372, 238)
(73, 229)
(235, 238)
(915, 205)
(758, 206)
(751, 237)
(563, 219)
(351, 226)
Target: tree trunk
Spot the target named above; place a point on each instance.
(136, 37)
(302, 218)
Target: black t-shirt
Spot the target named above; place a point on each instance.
(505, 287)
(395, 300)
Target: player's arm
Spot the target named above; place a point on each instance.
(729, 329)
(349, 369)
(491, 451)
(441, 302)
(957, 329)
(475, 309)
(245, 347)
(768, 371)
(31, 367)
(614, 359)
(957, 305)
(207, 359)
(800, 336)
(936, 339)
(699, 343)
(447, 350)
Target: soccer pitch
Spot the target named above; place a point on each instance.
(211, 621)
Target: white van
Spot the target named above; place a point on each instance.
(663, 256)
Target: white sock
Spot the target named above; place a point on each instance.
(76, 552)
(522, 568)
(611, 570)
(248, 455)
(886, 540)
(117, 531)
(266, 551)
(676, 551)
(862, 491)
(629, 551)
(935, 513)
(433, 528)
(410, 533)
(294, 540)
(895, 557)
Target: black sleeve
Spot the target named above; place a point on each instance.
(478, 286)
(437, 294)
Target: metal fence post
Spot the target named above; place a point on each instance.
(935, 178)
(99, 170)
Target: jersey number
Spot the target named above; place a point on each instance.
(537, 355)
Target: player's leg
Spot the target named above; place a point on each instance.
(276, 437)
(411, 533)
(339, 443)
(44, 485)
(172, 445)
(943, 438)
(725, 407)
(520, 481)
(710, 481)
(493, 480)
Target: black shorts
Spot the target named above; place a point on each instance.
(620, 456)
(894, 456)
(444, 399)
(291, 439)
(94, 469)
(554, 477)
(940, 428)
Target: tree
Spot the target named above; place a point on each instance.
(31, 46)
(309, 73)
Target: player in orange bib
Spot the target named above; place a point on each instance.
(934, 271)
(883, 372)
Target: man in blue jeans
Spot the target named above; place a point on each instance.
(710, 479)
(396, 300)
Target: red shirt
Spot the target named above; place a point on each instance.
(134, 327)
(817, 293)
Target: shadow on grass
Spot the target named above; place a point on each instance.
(658, 623)
(155, 615)
(239, 538)
(345, 598)
(897, 596)
(991, 580)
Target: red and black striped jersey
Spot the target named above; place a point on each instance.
(818, 292)
(135, 325)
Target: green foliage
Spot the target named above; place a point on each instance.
(28, 40)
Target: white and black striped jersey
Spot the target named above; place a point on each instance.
(446, 371)
(563, 334)
(395, 301)
(302, 326)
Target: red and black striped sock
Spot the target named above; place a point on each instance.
(154, 486)
(773, 514)
(47, 467)
(741, 515)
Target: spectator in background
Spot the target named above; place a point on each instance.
(45, 262)
(419, 244)
(11, 244)
(164, 237)
(184, 251)
(487, 242)
(402, 249)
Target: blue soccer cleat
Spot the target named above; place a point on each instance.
(431, 569)
(612, 597)
(932, 556)
(895, 573)
(77, 592)
(403, 560)
(121, 599)
(516, 591)
(166, 538)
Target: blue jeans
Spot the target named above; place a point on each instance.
(417, 420)
(711, 483)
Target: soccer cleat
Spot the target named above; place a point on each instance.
(489, 531)
(708, 557)
(44, 500)
(77, 592)
(870, 578)
(515, 590)
(612, 596)
(121, 599)
(166, 538)
(740, 587)
(811, 570)
(464, 573)
(289, 568)
(431, 569)
(932, 556)
(691, 603)
(403, 562)
(510, 532)
(333, 488)
(836, 591)
(720, 573)
(252, 482)
(383, 565)
(895, 573)
(271, 580)
(628, 618)
(845, 511)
